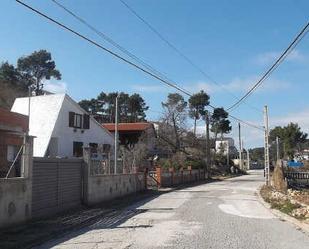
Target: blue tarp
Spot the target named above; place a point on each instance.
(295, 164)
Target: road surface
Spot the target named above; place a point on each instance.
(217, 215)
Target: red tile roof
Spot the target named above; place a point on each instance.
(128, 126)
(12, 120)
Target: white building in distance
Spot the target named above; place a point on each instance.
(225, 146)
(61, 127)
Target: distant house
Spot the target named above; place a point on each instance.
(61, 127)
(130, 133)
(13, 126)
(226, 146)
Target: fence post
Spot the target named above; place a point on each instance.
(181, 170)
(27, 158)
(85, 174)
(171, 170)
(159, 176)
(145, 177)
(190, 173)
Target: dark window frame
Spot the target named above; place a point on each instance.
(77, 148)
(76, 118)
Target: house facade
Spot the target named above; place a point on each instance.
(61, 127)
(130, 133)
(226, 146)
(13, 126)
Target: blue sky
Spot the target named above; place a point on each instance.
(233, 41)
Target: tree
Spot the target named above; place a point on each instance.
(36, 68)
(137, 107)
(175, 114)
(220, 123)
(11, 85)
(291, 137)
(257, 154)
(197, 106)
(90, 106)
(131, 108)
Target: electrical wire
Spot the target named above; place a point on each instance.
(122, 58)
(278, 61)
(111, 41)
(180, 53)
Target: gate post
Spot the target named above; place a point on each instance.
(27, 157)
(190, 173)
(159, 176)
(85, 174)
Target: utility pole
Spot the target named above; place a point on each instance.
(278, 150)
(248, 158)
(240, 147)
(29, 104)
(116, 135)
(227, 153)
(266, 146)
(207, 144)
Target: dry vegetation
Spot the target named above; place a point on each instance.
(294, 203)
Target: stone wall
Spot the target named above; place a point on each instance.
(100, 188)
(175, 178)
(15, 201)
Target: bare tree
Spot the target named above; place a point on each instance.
(175, 114)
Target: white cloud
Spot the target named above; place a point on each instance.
(300, 117)
(270, 57)
(55, 87)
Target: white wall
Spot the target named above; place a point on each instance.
(43, 114)
(66, 134)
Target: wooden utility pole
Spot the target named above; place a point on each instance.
(207, 144)
(240, 147)
(266, 146)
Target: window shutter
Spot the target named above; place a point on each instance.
(71, 119)
(86, 124)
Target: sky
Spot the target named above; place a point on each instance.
(234, 42)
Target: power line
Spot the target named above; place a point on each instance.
(103, 48)
(108, 39)
(281, 58)
(180, 53)
(120, 57)
(111, 41)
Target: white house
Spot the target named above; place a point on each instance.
(225, 146)
(61, 127)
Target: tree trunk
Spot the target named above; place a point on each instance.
(176, 134)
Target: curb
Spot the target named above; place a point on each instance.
(282, 216)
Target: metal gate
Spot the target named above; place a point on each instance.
(57, 185)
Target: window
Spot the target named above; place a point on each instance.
(79, 121)
(77, 149)
(93, 147)
(86, 123)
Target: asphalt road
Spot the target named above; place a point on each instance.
(218, 215)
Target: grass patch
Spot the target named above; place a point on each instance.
(284, 206)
